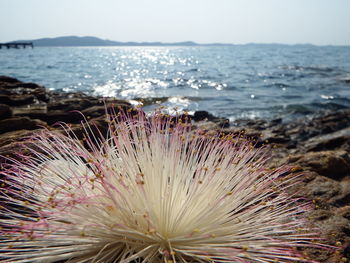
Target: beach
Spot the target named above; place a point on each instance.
(316, 147)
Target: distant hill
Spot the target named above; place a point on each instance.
(74, 41)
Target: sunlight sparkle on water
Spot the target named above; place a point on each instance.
(219, 79)
(327, 97)
(184, 102)
(108, 90)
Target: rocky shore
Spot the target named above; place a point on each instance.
(317, 147)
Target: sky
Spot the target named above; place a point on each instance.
(319, 22)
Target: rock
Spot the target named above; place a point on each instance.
(347, 249)
(4, 91)
(18, 85)
(16, 93)
(206, 116)
(98, 126)
(30, 110)
(256, 124)
(35, 102)
(80, 104)
(14, 136)
(323, 189)
(41, 95)
(202, 115)
(70, 104)
(304, 129)
(16, 100)
(277, 139)
(206, 126)
(7, 79)
(94, 112)
(275, 121)
(332, 164)
(329, 141)
(337, 231)
(9, 151)
(57, 116)
(5, 111)
(19, 123)
(321, 214)
(29, 85)
(344, 198)
(345, 211)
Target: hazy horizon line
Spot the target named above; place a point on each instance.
(184, 41)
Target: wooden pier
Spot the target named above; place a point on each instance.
(16, 45)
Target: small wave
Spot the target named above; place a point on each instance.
(308, 68)
(312, 71)
(304, 109)
(292, 97)
(193, 70)
(333, 106)
(277, 85)
(160, 100)
(107, 90)
(344, 79)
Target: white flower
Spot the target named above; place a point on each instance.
(152, 191)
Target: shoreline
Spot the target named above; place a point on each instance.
(316, 147)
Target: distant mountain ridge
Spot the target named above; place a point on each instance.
(75, 41)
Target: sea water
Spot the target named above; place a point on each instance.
(233, 81)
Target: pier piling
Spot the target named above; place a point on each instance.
(16, 45)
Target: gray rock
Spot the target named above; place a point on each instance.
(329, 141)
(332, 164)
